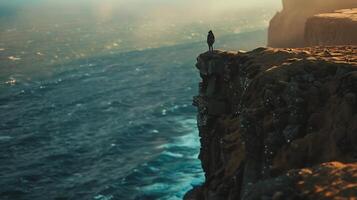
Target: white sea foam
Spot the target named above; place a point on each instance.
(156, 187)
(5, 138)
(155, 131)
(103, 197)
(14, 58)
(190, 140)
(163, 112)
(12, 81)
(172, 154)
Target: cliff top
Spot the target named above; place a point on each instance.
(350, 14)
(277, 56)
(338, 54)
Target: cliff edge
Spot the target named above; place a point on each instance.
(287, 27)
(278, 124)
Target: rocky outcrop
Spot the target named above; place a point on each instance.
(337, 28)
(287, 27)
(278, 124)
(331, 180)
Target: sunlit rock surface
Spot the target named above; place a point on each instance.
(287, 27)
(332, 180)
(270, 118)
(336, 28)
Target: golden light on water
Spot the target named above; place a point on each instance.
(55, 32)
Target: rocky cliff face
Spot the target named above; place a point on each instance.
(287, 27)
(337, 28)
(278, 124)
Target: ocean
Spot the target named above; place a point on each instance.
(110, 127)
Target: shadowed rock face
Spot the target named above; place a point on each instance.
(263, 113)
(337, 28)
(287, 27)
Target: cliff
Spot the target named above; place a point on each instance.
(287, 28)
(336, 28)
(278, 124)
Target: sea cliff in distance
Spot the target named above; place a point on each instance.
(287, 27)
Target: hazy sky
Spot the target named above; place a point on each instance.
(79, 28)
(159, 12)
(107, 8)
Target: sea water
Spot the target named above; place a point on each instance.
(117, 126)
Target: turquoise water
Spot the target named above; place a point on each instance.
(117, 126)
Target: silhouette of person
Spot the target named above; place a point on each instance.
(210, 41)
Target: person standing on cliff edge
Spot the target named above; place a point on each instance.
(210, 41)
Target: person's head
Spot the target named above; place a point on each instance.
(210, 31)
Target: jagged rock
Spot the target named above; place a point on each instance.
(280, 109)
(287, 27)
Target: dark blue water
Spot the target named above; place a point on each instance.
(111, 127)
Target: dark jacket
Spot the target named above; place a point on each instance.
(210, 38)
